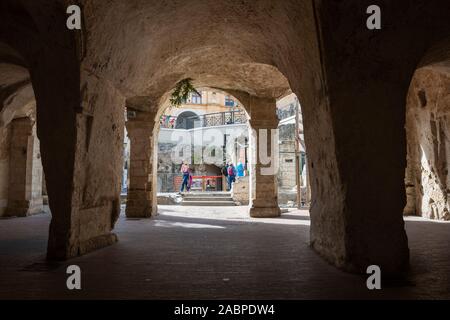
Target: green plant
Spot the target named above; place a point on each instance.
(181, 92)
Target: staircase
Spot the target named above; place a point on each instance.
(208, 199)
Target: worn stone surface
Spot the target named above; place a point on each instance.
(175, 256)
(240, 191)
(264, 158)
(142, 198)
(4, 168)
(25, 170)
(428, 132)
(287, 173)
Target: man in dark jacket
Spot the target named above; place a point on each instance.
(225, 176)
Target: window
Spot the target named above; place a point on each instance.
(196, 99)
(229, 102)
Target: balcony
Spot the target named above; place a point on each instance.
(204, 121)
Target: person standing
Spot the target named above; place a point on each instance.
(240, 169)
(186, 172)
(225, 176)
(231, 175)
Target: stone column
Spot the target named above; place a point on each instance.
(25, 173)
(4, 168)
(264, 123)
(141, 198)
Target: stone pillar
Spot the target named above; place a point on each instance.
(25, 173)
(4, 168)
(141, 198)
(264, 123)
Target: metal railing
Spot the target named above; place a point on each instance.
(206, 120)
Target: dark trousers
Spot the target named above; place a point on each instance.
(231, 179)
(185, 182)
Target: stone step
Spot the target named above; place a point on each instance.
(208, 203)
(207, 199)
(207, 194)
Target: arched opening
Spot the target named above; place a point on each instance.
(219, 138)
(428, 134)
(187, 120)
(228, 140)
(21, 174)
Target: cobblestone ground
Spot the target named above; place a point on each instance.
(209, 253)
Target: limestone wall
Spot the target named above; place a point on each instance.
(34, 177)
(4, 169)
(286, 173)
(240, 191)
(428, 131)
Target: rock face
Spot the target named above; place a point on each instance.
(428, 131)
(4, 169)
(25, 170)
(240, 191)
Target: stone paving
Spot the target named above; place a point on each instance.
(211, 253)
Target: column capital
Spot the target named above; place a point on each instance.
(264, 123)
(140, 121)
(141, 116)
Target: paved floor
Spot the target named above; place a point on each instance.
(209, 253)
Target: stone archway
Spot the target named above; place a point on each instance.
(143, 129)
(342, 73)
(428, 133)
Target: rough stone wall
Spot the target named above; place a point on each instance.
(24, 172)
(264, 192)
(286, 174)
(20, 165)
(142, 190)
(98, 164)
(34, 174)
(4, 169)
(240, 191)
(428, 133)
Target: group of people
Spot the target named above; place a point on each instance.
(229, 171)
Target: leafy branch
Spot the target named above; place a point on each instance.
(181, 92)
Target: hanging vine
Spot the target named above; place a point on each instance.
(181, 92)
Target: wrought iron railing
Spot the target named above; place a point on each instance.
(207, 120)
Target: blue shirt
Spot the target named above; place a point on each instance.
(240, 169)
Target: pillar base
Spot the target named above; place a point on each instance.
(24, 208)
(140, 213)
(265, 212)
(62, 253)
(97, 243)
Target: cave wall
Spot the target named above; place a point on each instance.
(4, 169)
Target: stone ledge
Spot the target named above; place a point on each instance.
(140, 212)
(265, 212)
